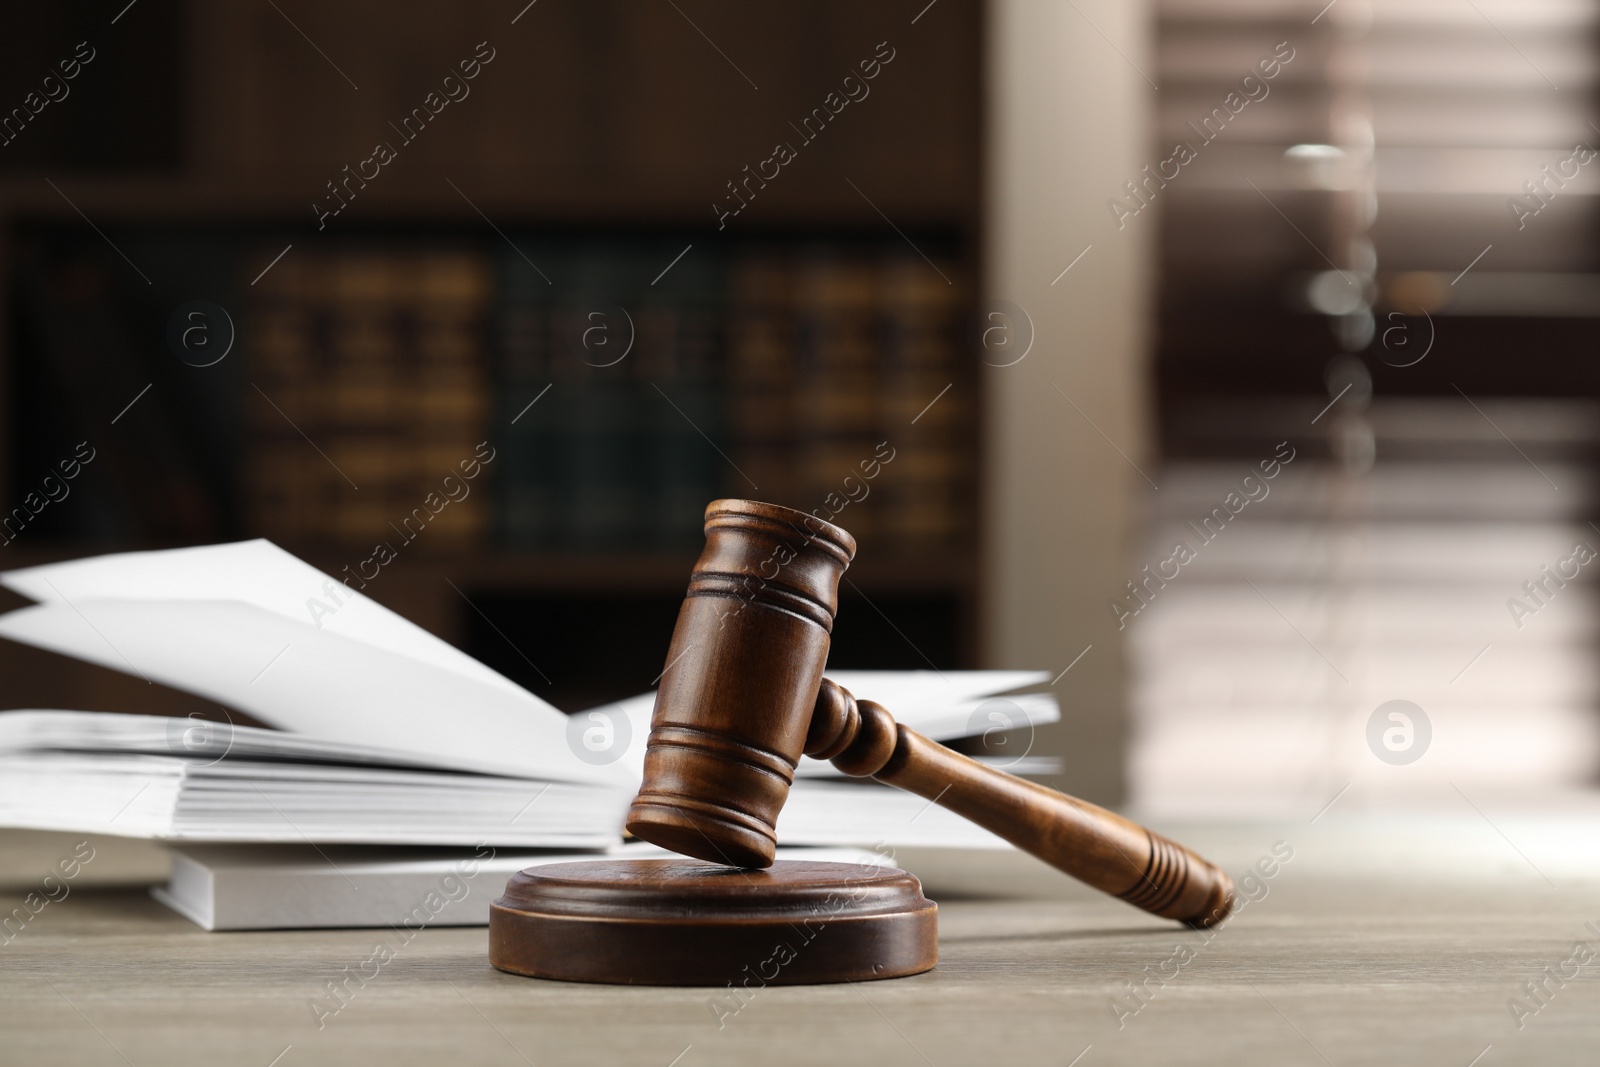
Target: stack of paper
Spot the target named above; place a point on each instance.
(380, 732)
(133, 775)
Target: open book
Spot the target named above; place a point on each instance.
(380, 732)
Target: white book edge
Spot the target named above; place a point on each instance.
(290, 887)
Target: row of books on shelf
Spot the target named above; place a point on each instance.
(601, 391)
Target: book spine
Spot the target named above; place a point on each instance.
(286, 314)
(356, 410)
(602, 486)
(680, 367)
(763, 375)
(451, 393)
(840, 310)
(530, 410)
(928, 424)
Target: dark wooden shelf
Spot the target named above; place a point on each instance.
(111, 201)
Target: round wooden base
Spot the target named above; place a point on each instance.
(688, 923)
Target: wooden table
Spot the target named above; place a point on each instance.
(1377, 943)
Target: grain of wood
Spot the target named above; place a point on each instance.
(1362, 951)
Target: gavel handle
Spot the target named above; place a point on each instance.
(1096, 846)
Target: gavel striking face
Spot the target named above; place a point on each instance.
(743, 697)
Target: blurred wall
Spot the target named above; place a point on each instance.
(1068, 122)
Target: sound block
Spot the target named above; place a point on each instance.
(682, 922)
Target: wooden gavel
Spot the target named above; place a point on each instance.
(743, 696)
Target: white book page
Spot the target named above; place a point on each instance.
(197, 742)
(258, 573)
(941, 705)
(908, 693)
(322, 683)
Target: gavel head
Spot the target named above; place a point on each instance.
(743, 670)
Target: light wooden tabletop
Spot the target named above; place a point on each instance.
(1373, 944)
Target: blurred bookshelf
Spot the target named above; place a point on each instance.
(588, 369)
